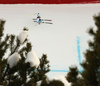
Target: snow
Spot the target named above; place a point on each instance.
(38, 83)
(32, 59)
(63, 79)
(59, 40)
(22, 36)
(59, 77)
(13, 59)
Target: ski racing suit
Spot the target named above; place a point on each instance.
(38, 19)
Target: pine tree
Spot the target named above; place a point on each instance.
(91, 65)
(52, 83)
(90, 75)
(72, 75)
(43, 67)
(21, 74)
(55, 83)
(3, 48)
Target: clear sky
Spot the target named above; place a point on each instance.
(59, 40)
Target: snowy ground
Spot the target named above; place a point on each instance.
(58, 41)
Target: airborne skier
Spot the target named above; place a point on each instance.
(39, 20)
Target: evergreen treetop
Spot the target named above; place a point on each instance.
(21, 74)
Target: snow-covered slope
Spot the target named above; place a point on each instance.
(59, 40)
(63, 79)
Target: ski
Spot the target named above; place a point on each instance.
(47, 22)
(44, 22)
(43, 19)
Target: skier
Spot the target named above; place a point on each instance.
(38, 19)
